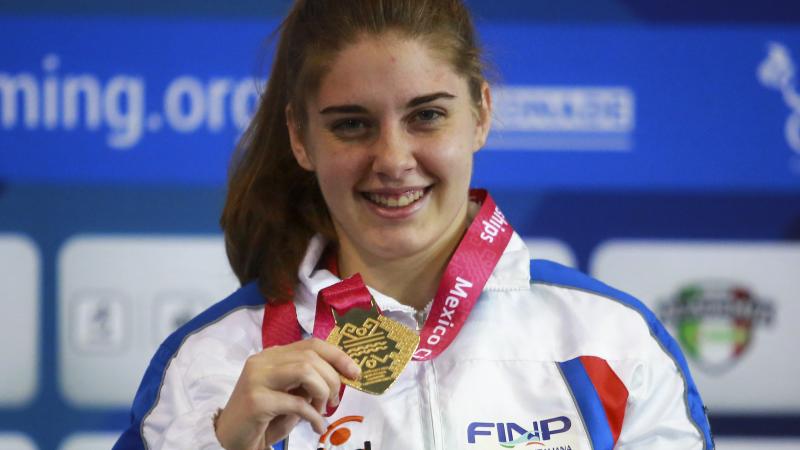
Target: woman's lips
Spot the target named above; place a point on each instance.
(396, 203)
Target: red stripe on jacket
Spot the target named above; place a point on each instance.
(613, 394)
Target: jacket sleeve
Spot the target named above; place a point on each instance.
(659, 412)
(180, 393)
(664, 409)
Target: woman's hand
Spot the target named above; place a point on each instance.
(278, 387)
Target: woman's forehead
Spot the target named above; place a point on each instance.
(386, 69)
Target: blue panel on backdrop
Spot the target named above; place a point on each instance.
(155, 101)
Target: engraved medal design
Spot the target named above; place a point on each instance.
(381, 346)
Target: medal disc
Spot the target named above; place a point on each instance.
(381, 346)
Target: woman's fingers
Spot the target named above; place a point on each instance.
(305, 375)
(279, 428)
(328, 360)
(281, 384)
(289, 404)
(328, 373)
(336, 357)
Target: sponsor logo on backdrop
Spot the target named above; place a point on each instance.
(46, 99)
(716, 321)
(98, 321)
(563, 118)
(338, 434)
(777, 71)
(510, 434)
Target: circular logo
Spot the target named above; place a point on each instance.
(715, 321)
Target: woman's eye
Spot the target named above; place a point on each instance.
(427, 118)
(350, 124)
(350, 127)
(429, 115)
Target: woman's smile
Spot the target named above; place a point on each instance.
(397, 203)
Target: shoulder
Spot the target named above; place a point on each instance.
(593, 296)
(214, 320)
(605, 321)
(546, 273)
(600, 304)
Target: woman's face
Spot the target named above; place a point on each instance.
(390, 135)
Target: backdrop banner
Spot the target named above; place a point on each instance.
(154, 101)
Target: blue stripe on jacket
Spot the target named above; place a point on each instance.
(589, 404)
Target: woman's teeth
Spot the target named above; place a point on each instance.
(395, 201)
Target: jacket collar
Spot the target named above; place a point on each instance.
(511, 273)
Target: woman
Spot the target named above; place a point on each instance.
(358, 161)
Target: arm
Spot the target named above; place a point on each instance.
(179, 396)
(664, 409)
(659, 411)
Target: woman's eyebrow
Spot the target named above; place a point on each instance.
(358, 109)
(416, 101)
(343, 109)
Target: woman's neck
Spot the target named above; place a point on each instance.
(411, 280)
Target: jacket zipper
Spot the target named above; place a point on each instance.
(433, 402)
(430, 379)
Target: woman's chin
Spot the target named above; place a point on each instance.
(390, 248)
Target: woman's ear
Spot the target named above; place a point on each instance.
(296, 140)
(484, 122)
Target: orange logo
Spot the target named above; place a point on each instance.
(338, 434)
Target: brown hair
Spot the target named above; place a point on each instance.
(273, 206)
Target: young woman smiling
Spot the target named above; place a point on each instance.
(359, 161)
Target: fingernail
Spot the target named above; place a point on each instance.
(355, 371)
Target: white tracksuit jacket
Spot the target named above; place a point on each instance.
(549, 359)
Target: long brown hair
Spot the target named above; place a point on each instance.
(273, 206)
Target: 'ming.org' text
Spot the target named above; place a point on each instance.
(81, 101)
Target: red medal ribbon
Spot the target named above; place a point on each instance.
(280, 325)
(349, 293)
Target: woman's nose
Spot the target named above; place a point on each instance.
(393, 154)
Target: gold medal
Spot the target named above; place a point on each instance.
(380, 346)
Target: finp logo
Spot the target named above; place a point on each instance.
(715, 321)
(505, 432)
(337, 434)
(777, 71)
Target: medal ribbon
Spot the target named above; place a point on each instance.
(349, 293)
